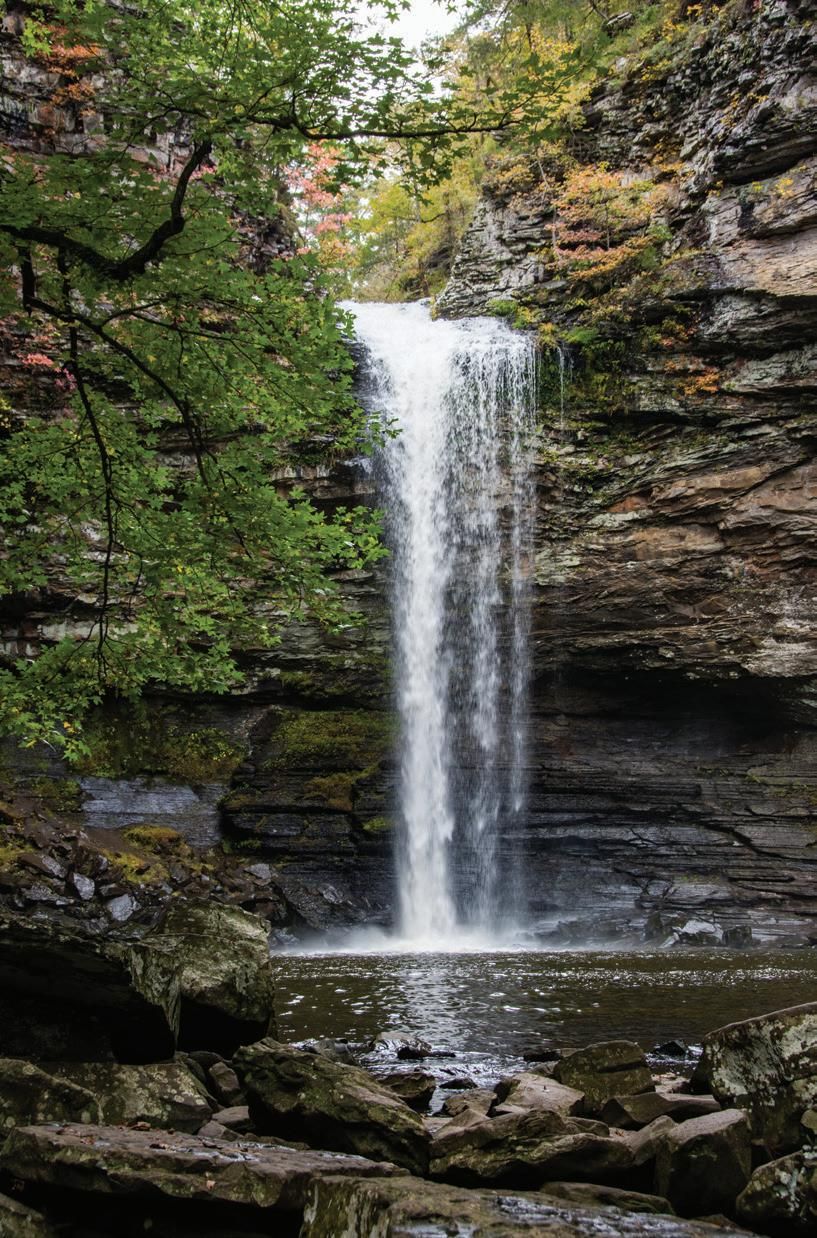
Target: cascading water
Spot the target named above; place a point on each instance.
(457, 492)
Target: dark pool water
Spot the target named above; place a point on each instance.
(490, 1008)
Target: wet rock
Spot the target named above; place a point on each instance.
(221, 956)
(533, 1091)
(768, 1066)
(224, 1084)
(415, 1087)
(407, 1046)
(29, 1094)
(335, 1050)
(698, 933)
(524, 1150)
(304, 1096)
(613, 1068)
(18, 1221)
(702, 1165)
(122, 907)
(136, 1169)
(408, 1208)
(608, 1197)
(84, 886)
(457, 1083)
(166, 1095)
(71, 993)
(781, 1197)
(672, 1049)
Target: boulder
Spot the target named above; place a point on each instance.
(613, 1068)
(305, 1096)
(532, 1091)
(768, 1066)
(29, 1094)
(117, 1167)
(477, 1100)
(18, 1221)
(524, 1150)
(224, 1084)
(406, 1046)
(221, 957)
(644, 1143)
(701, 1166)
(415, 1087)
(67, 994)
(335, 1050)
(633, 1112)
(166, 1095)
(409, 1208)
(236, 1118)
(781, 1198)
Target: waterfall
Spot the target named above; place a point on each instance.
(457, 495)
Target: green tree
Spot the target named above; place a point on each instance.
(168, 370)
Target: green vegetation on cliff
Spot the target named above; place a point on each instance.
(172, 350)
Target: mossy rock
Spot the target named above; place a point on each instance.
(305, 1096)
(146, 739)
(336, 739)
(378, 825)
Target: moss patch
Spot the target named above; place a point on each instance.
(378, 825)
(156, 838)
(145, 740)
(347, 740)
(58, 794)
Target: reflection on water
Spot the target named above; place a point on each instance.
(498, 1005)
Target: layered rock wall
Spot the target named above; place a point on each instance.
(675, 565)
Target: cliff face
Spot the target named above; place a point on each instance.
(672, 732)
(675, 638)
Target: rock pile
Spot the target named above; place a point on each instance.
(185, 1116)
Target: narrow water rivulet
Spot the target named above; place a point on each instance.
(457, 401)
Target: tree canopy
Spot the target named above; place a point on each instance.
(170, 363)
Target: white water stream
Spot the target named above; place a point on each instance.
(457, 492)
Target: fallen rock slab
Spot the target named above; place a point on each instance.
(300, 1095)
(601, 1071)
(633, 1112)
(701, 1166)
(410, 1208)
(768, 1066)
(221, 956)
(533, 1091)
(146, 1166)
(781, 1197)
(525, 1150)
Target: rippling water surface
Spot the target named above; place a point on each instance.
(490, 1008)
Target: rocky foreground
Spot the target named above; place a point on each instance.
(142, 1090)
